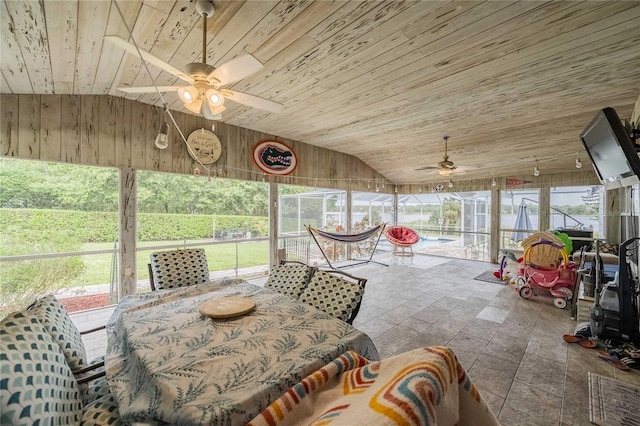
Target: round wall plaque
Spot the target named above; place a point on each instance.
(204, 146)
(274, 157)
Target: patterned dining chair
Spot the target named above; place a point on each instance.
(290, 278)
(38, 386)
(336, 293)
(178, 268)
(64, 332)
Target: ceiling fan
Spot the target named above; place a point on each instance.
(444, 167)
(204, 94)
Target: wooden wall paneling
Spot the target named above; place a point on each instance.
(176, 28)
(301, 24)
(138, 135)
(145, 33)
(89, 124)
(237, 27)
(111, 56)
(62, 24)
(231, 150)
(278, 17)
(29, 126)
(560, 23)
(9, 132)
(70, 141)
(92, 21)
(108, 122)
(50, 127)
(123, 132)
(12, 65)
(4, 86)
(28, 26)
(222, 132)
(152, 154)
(176, 148)
(247, 138)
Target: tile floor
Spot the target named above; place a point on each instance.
(512, 348)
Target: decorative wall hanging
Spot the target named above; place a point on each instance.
(515, 183)
(204, 146)
(274, 157)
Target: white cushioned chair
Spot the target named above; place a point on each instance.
(336, 293)
(178, 268)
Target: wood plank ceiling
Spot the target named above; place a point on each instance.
(511, 83)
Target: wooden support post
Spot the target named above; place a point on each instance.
(544, 209)
(127, 231)
(494, 236)
(273, 224)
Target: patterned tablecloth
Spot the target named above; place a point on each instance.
(167, 363)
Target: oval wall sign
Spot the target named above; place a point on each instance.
(274, 157)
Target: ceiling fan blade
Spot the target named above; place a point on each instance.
(253, 101)
(235, 70)
(426, 168)
(148, 89)
(148, 57)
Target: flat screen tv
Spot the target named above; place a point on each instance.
(611, 150)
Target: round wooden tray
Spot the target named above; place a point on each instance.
(227, 307)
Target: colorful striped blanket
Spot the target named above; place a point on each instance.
(426, 386)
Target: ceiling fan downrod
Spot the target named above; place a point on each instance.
(205, 9)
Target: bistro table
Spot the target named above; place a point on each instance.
(168, 364)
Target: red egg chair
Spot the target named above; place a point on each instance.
(402, 238)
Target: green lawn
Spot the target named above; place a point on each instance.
(219, 257)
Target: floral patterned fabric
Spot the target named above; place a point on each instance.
(36, 383)
(333, 295)
(289, 279)
(166, 362)
(55, 319)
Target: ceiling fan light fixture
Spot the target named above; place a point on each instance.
(206, 110)
(188, 94)
(445, 172)
(214, 98)
(194, 107)
(578, 162)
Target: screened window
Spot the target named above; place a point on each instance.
(228, 218)
(65, 212)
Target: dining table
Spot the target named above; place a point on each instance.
(166, 363)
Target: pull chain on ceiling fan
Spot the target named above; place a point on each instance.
(204, 94)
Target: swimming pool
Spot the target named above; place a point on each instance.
(424, 242)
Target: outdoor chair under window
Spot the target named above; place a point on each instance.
(290, 278)
(178, 268)
(336, 293)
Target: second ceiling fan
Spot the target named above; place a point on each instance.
(204, 94)
(444, 167)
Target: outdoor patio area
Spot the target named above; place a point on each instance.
(511, 347)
